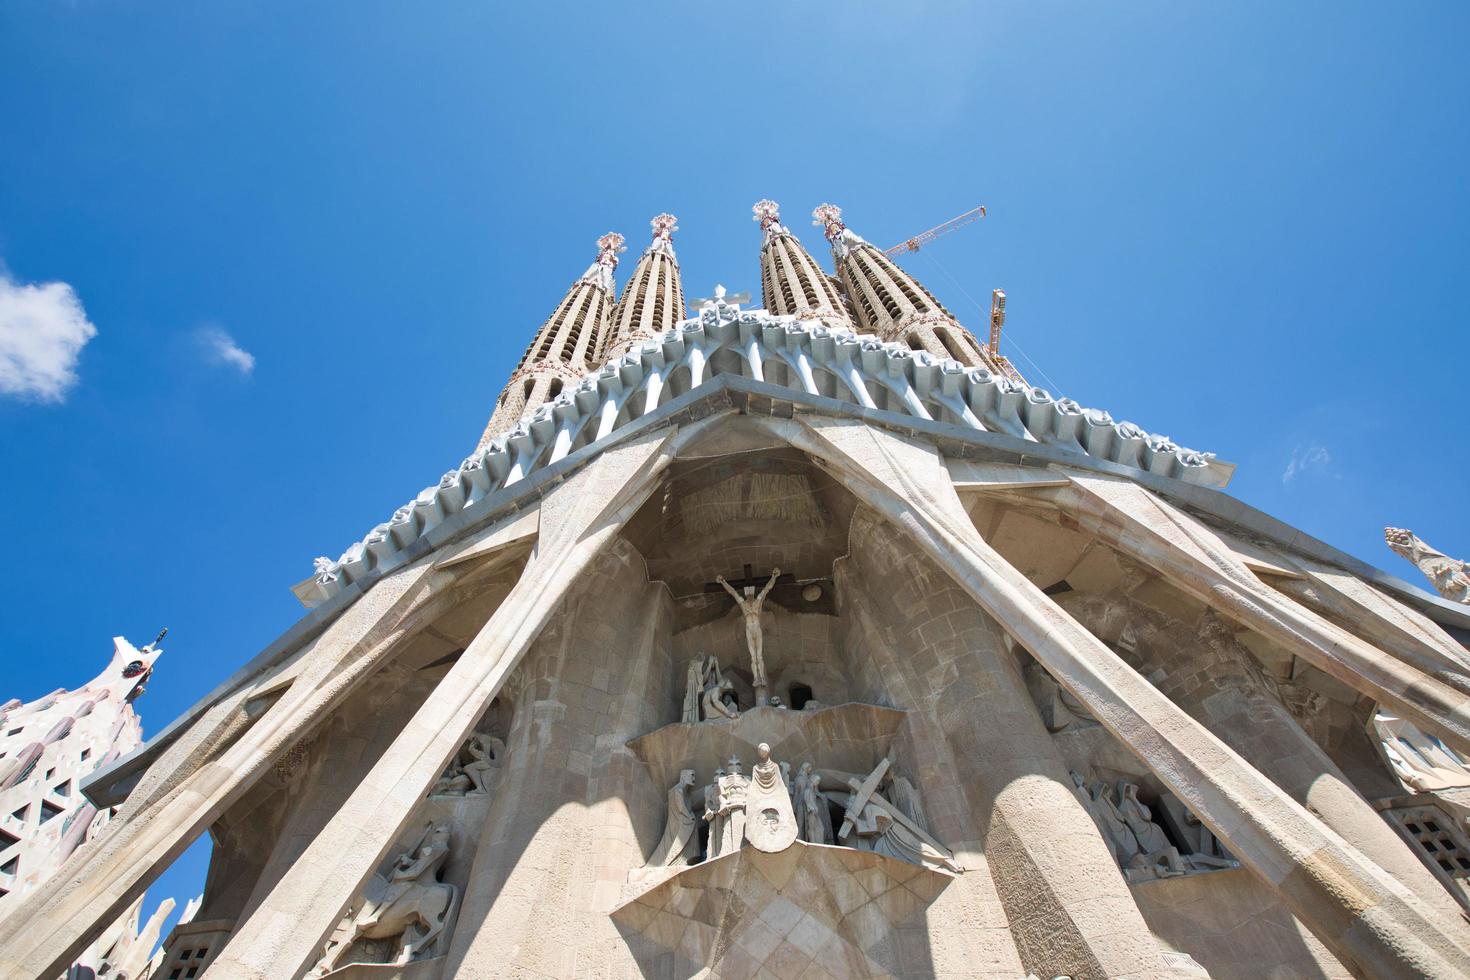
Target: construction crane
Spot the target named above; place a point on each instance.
(997, 296)
(997, 321)
(924, 238)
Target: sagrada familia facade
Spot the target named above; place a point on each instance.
(809, 640)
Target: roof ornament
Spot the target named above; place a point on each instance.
(608, 247)
(600, 272)
(828, 217)
(722, 297)
(768, 213)
(663, 226)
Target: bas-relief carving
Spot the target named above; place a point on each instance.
(1450, 576)
(410, 908)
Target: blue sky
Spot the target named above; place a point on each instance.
(267, 265)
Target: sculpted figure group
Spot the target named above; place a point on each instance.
(708, 694)
(411, 906)
(769, 810)
(1138, 844)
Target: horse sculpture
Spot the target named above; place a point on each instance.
(411, 903)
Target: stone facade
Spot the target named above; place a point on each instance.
(48, 748)
(705, 671)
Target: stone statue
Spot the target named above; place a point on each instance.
(871, 823)
(733, 786)
(770, 824)
(1115, 829)
(1079, 786)
(750, 607)
(468, 774)
(1202, 849)
(1156, 857)
(715, 704)
(1059, 710)
(679, 846)
(1451, 577)
(816, 822)
(798, 792)
(713, 817)
(411, 904)
(704, 673)
(905, 796)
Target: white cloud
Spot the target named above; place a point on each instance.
(43, 329)
(1312, 458)
(220, 348)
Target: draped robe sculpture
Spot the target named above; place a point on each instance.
(680, 844)
(770, 825)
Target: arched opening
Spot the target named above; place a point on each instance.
(954, 349)
(554, 390)
(798, 695)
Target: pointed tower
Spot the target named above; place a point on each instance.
(891, 303)
(792, 284)
(564, 346)
(653, 299)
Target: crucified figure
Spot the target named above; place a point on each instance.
(750, 606)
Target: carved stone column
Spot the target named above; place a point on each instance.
(43, 934)
(578, 519)
(1208, 673)
(574, 810)
(1067, 904)
(1372, 924)
(1159, 535)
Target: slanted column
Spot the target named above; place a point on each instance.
(1373, 925)
(1067, 905)
(44, 933)
(577, 520)
(1208, 673)
(574, 810)
(1153, 532)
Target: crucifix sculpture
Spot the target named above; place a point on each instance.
(750, 604)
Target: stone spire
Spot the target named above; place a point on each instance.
(889, 302)
(564, 346)
(653, 299)
(792, 283)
